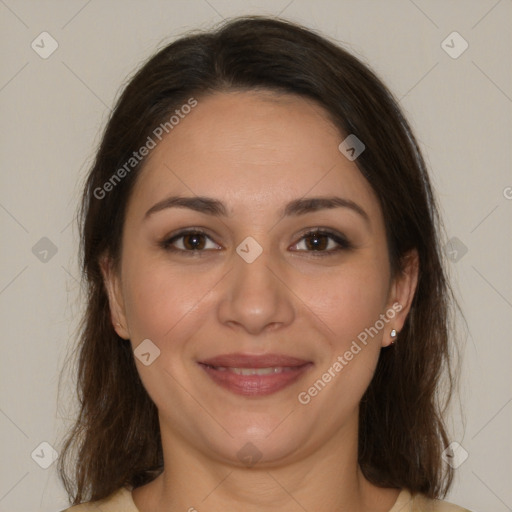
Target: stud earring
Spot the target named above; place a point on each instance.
(393, 335)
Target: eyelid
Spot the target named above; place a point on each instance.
(168, 240)
(340, 239)
(336, 236)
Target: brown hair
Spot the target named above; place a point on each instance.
(116, 438)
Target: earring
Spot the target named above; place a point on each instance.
(393, 335)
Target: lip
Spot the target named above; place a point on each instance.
(220, 370)
(237, 360)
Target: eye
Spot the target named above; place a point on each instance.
(191, 240)
(322, 241)
(196, 241)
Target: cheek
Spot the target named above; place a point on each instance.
(349, 303)
(161, 299)
(348, 300)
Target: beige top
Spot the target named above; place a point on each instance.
(121, 501)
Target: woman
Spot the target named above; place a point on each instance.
(267, 317)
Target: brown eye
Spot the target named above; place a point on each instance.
(190, 241)
(317, 241)
(322, 242)
(194, 241)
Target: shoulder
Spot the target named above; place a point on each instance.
(423, 504)
(119, 501)
(408, 502)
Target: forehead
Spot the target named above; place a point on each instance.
(254, 149)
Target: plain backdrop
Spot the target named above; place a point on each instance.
(54, 108)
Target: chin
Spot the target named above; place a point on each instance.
(259, 442)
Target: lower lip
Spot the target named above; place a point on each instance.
(256, 385)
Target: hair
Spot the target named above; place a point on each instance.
(115, 440)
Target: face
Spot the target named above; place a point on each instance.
(264, 294)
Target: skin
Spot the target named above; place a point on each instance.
(255, 152)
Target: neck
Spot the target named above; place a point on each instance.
(324, 480)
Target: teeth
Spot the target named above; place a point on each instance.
(252, 371)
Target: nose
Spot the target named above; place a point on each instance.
(255, 296)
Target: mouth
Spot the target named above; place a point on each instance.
(254, 376)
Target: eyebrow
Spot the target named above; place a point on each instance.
(302, 206)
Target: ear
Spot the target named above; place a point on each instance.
(112, 283)
(402, 290)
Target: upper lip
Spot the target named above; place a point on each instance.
(254, 361)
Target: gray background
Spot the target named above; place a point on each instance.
(53, 110)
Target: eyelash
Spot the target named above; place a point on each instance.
(343, 243)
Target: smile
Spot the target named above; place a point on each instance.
(254, 371)
(254, 376)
